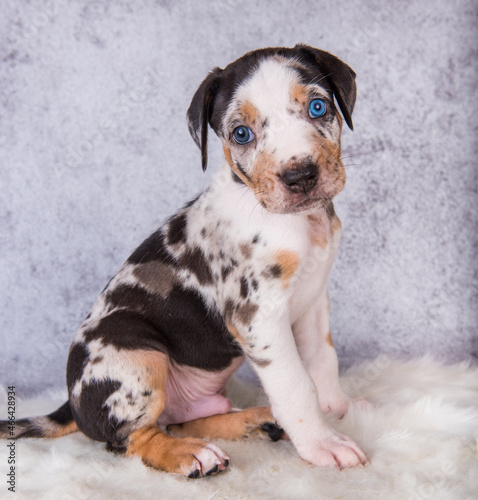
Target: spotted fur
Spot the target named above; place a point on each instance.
(240, 271)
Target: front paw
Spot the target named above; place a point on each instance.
(335, 451)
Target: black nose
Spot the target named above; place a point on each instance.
(301, 180)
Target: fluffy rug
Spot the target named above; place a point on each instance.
(421, 436)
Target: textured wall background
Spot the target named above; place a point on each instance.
(95, 153)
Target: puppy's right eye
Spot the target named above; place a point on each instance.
(242, 135)
(317, 108)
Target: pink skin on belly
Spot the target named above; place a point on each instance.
(192, 393)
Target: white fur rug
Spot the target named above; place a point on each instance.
(421, 437)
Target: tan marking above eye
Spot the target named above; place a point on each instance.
(249, 113)
(299, 94)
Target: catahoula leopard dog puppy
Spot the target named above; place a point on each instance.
(240, 272)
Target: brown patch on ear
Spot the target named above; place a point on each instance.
(288, 263)
(299, 94)
(328, 339)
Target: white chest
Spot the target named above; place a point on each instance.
(316, 262)
(249, 243)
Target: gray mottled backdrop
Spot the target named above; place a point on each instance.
(95, 153)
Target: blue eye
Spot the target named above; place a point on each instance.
(317, 108)
(243, 135)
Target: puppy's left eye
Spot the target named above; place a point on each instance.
(317, 108)
(243, 135)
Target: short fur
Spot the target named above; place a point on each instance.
(240, 271)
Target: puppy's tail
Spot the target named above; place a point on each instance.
(56, 424)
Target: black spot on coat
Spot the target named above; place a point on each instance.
(92, 414)
(77, 360)
(153, 248)
(274, 271)
(63, 415)
(180, 325)
(177, 229)
(194, 260)
(244, 288)
(225, 271)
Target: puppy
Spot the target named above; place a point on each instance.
(239, 272)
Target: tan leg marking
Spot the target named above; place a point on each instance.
(155, 367)
(234, 425)
(188, 456)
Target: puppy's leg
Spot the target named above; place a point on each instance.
(312, 334)
(256, 422)
(186, 456)
(123, 406)
(293, 394)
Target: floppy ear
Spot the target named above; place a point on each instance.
(339, 76)
(200, 110)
